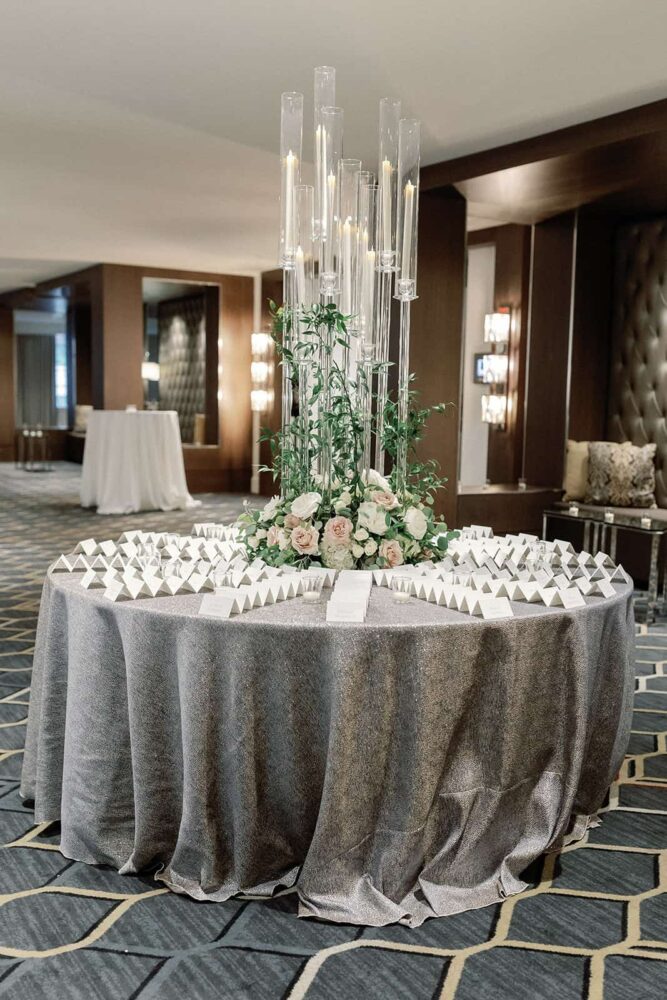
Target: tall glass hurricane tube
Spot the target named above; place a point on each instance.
(329, 271)
(406, 271)
(291, 136)
(348, 223)
(304, 298)
(385, 247)
(366, 263)
(325, 97)
(332, 147)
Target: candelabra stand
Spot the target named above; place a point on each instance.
(328, 289)
(365, 385)
(386, 271)
(289, 316)
(405, 297)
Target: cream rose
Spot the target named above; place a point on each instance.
(357, 551)
(305, 540)
(415, 522)
(291, 521)
(385, 499)
(371, 547)
(277, 536)
(343, 501)
(305, 506)
(270, 509)
(361, 535)
(372, 517)
(375, 479)
(391, 551)
(337, 531)
(337, 557)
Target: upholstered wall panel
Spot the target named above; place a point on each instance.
(182, 333)
(638, 389)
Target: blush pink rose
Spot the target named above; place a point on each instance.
(338, 531)
(276, 536)
(391, 551)
(291, 521)
(305, 540)
(385, 499)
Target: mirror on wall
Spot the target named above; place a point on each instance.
(479, 295)
(180, 369)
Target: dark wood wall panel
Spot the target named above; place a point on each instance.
(437, 327)
(591, 327)
(7, 425)
(272, 291)
(548, 352)
(123, 326)
(511, 288)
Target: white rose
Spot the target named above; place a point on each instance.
(253, 542)
(375, 479)
(361, 535)
(335, 557)
(269, 510)
(306, 505)
(415, 522)
(261, 533)
(372, 517)
(357, 551)
(343, 501)
(371, 547)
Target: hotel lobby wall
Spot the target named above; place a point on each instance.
(7, 428)
(112, 337)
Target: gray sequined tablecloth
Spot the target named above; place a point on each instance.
(405, 768)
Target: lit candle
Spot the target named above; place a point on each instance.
(300, 278)
(331, 198)
(322, 181)
(290, 172)
(369, 294)
(346, 301)
(407, 230)
(386, 206)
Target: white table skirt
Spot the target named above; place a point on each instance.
(134, 461)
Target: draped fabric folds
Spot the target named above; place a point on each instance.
(409, 767)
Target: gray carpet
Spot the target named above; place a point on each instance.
(593, 924)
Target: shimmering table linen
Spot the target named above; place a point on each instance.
(408, 767)
(133, 460)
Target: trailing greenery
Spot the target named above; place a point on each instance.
(354, 519)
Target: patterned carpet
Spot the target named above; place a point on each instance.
(593, 925)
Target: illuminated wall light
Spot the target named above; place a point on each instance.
(259, 372)
(494, 410)
(495, 368)
(150, 371)
(259, 400)
(219, 395)
(261, 344)
(497, 327)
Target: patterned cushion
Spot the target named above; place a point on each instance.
(621, 475)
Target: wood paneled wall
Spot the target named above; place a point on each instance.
(549, 349)
(272, 291)
(591, 327)
(7, 417)
(437, 327)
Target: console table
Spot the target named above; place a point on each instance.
(601, 535)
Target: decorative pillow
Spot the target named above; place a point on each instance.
(575, 480)
(81, 414)
(621, 475)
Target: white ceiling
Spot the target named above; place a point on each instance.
(144, 132)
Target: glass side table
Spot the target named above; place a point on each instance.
(601, 535)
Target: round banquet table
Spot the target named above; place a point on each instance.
(133, 460)
(405, 768)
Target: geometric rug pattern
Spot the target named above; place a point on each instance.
(592, 925)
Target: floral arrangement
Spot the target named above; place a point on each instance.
(357, 519)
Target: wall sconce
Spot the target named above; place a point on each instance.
(261, 372)
(261, 344)
(490, 369)
(497, 326)
(494, 410)
(260, 400)
(150, 371)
